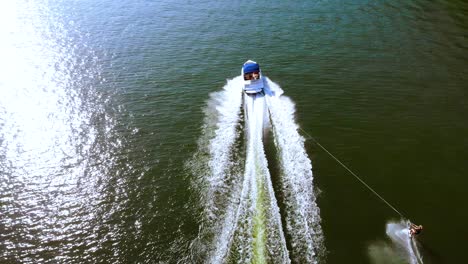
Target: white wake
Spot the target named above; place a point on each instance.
(242, 220)
(302, 213)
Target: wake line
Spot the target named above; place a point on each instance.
(266, 222)
(217, 176)
(302, 213)
(228, 109)
(241, 216)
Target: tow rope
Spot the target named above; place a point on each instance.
(354, 174)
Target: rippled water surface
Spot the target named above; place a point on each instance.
(104, 104)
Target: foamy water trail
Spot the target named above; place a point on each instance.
(242, 221)
(399, 234)
(302, 213)
(227, 104)
(254, 233)
(216, 167)
(269, 244)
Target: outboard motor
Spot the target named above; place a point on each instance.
(253, 81)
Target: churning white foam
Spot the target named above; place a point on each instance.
(217, 177)
(302, 213)
(242, 221)
(269, 241)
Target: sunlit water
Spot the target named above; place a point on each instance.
(58, 142)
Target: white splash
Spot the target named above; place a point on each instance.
(220, 182)
(302, 213)
(399, 234)
(242, 220)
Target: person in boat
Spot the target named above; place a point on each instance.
(415, 229)
(253, 81)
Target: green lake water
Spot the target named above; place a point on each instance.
(104, 103)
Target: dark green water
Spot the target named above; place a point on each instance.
(102, 104)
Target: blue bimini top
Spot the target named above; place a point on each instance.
(251, 67)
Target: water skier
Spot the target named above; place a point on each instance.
(415, 229)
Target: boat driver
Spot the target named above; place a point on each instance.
(252, 76)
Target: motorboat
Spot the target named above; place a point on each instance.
(253, 79)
